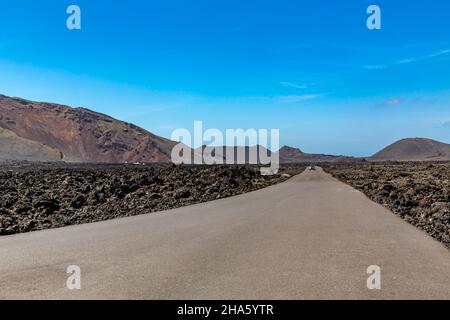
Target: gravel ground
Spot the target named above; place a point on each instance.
(35, 197)
(417, 192)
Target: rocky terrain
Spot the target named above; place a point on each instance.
(417, 192)
(35, 197)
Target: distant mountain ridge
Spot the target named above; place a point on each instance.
(291, 155)
(40, 131)
(286, 154)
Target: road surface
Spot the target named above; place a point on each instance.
(311, 237)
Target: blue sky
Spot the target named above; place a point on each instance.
(310, 68)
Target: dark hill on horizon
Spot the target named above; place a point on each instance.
(414, 149)
(292, 155)
(286, 154)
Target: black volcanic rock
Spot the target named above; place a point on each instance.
(50, 195)
(418, 192)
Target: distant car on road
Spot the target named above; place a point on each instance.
(312, 167)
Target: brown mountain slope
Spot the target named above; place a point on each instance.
(13, 147)
(80, 134)
(414, 149)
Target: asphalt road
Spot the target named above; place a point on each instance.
(310, 237)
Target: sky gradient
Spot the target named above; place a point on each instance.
(310, 68)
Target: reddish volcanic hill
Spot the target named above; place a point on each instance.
(40, 130)
(289, 154)
(414, 149)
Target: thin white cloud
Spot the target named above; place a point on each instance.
(408, 60)
(439, 53)
(422, 58)
(295, 85)
(296, 98)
